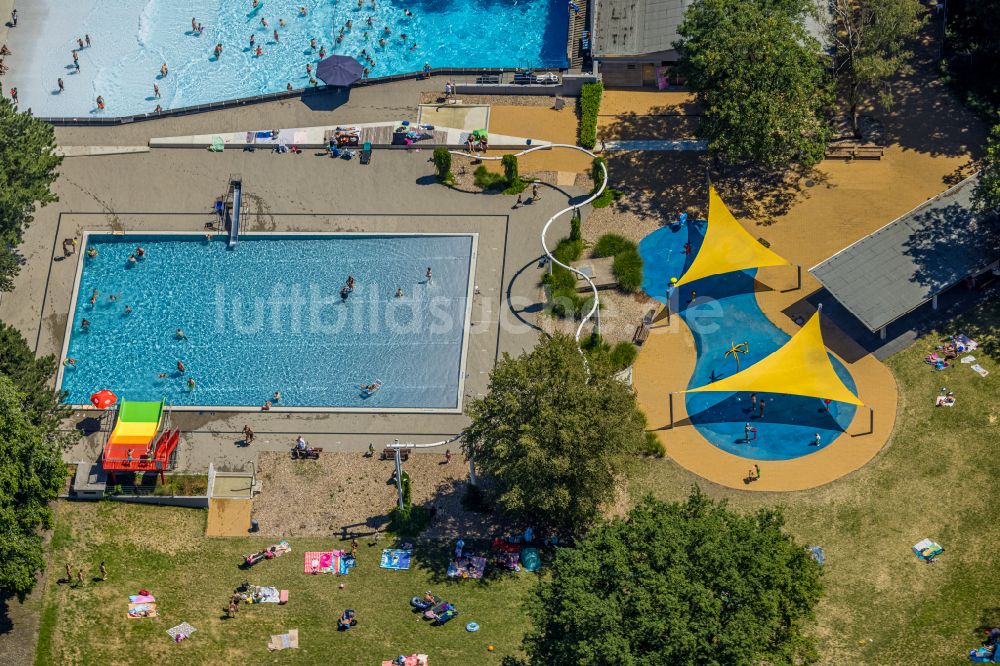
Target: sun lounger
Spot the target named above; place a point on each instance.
(366, 153)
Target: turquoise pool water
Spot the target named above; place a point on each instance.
(131, 39)
(268, 316)
(726, 312)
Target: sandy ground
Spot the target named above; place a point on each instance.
(647, 114)
(932, 139)
(228, 517)
(347, 495)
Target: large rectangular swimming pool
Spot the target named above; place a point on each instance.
(132, 39)
(269, 315)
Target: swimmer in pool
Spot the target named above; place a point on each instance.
(322, 52)
(128, 309)
(370, 21)
(381, 42)
(194, 24)
(252, 40)
(162, 375)
(350, 24)
(263, 22)
(312, 43)
(140, 252)
(85, 325)
(302, 11)
(92, 252)
(180, 366)
(276, 38)
(113, 297)
(164, 70)
(218, 50)
(93, 297)
(180, 335)
(260, 51)
(132, 260)
(387, 30)
(399, 292)
(277, 396)
(309, 68)
(281, 22)
(191, 383)
(350, 282)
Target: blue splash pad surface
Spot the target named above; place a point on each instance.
(724, 313)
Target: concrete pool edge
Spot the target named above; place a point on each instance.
(464, 352)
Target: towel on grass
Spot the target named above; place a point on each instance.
(467, 567)
(284, 641)
(182, 629)
(139, 611)
(980, 370)
(141, 598)
(319, 562)
(394, 558)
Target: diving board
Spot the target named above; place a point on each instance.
(236, 189)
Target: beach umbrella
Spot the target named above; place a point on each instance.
(103, 399)
(339, 71)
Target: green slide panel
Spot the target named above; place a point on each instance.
(140, 412)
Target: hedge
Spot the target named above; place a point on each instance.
(442, 162)
(590, 106)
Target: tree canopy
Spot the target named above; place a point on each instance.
(871, 39)
(677, 584)
(31, 474)
(31, 376)
(551, 441)
(759, 78)
(27, 171)
(973, 49)
(986, 196)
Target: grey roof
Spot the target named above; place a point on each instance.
(906, 263)
(635, 27)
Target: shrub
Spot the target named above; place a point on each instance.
(607, 196)
(590, 106)
(511, 176)
(575, 234)
(627, 268)
(609, 245)
(596, 173)
(488, 180)
(442, 162)
(652, 446)
(623, 355)
(406, 491)
(568, 250)
(410, 521)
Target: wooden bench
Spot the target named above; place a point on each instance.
(641, 333)
(870, 152)
(389, 453)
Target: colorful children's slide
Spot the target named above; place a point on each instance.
(136, 443)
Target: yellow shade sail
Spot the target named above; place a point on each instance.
(727, 247)
(801, 367)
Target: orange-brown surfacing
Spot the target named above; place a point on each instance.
(228, 517)
(665, 365)
(544, 124)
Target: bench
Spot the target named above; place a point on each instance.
(855, 152)
(641, 333)
(488, 79)
(389, 453)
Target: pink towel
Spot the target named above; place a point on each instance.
(317, 561)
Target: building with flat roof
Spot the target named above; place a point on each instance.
(912, 260)
(633, 40)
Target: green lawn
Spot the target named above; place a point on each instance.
(939, 477)
(164, 550)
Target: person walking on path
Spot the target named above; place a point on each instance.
(518, 203)
(79, 577)
(447, 456)
(534, 193)
(104, 572)
(248, 435)
(354, 548)
(69, 574)
(62, 86)
(13, 18)
(232, 610)
(429, 275)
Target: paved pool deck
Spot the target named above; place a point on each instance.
(175, 189)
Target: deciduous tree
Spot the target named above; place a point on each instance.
(759, 77)
(871, 39)
(31, 474)
(677, 584)
(552, 439)
(27, 171)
